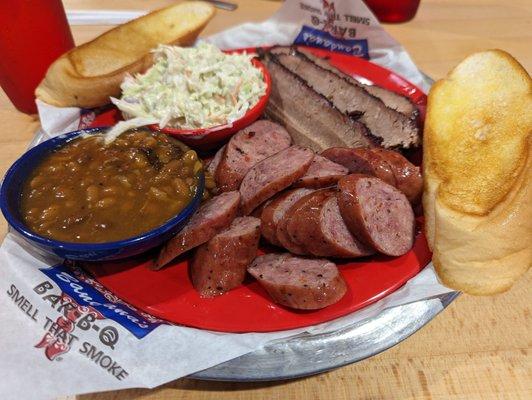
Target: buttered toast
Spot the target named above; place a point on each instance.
(477, 169)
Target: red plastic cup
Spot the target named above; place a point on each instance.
(33, 33)
(393, 11)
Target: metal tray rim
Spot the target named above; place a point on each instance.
(269, 363)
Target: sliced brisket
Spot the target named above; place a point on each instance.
(395, 129)
(311, 119)
(393, 100)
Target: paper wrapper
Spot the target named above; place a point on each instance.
(62, 333)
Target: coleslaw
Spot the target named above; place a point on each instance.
(188, 88)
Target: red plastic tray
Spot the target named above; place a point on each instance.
(168, 294)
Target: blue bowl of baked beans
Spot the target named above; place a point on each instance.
(82, 198)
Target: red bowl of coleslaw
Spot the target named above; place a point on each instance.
(207, 138)
(199, 95)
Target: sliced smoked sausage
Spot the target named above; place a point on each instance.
(408, 177)
(283, 236)
(274, 211)
(317, 226)
(388, 165)
(362, 161)
(342, 243)
(272, 175)
(214, 215)
(377, 213)
(303, 221)
(301, 283)
(220, 264)
(212, 166)
(246, 148)
(321, 173)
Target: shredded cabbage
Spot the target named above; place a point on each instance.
(194, 87)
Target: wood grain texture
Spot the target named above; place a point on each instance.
(479, 348)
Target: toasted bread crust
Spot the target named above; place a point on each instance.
(486, 255)
(478, 174)
(478, 120)
(89, 74)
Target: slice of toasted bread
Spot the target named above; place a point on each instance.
(477, 170)
(87, 75)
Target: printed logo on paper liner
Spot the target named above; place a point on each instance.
(59, 336)
(85, 306)
(315, 38)
(86, 318)
(329, 34)
(94, 299)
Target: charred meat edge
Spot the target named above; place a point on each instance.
(409, 121)
(413, 116)
(375, 140)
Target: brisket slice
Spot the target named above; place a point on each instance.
(392, 100)
(310, 118)
(395, 129)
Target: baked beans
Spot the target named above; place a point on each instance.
(91, 192)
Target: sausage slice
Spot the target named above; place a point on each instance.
(246, 148)
(214, 215)
(301, 283)
(272, 175)
(321, 173)
(274, 211)
(285, 239)
(362, 161)
(377, 213)
(220, 264)
(408, 177)
(212, 166)
(302, 223)
(388, 165)
(335, 232)
(317, 226)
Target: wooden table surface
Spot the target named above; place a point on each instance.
(478, 348)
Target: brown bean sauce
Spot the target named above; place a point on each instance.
(91, 192)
